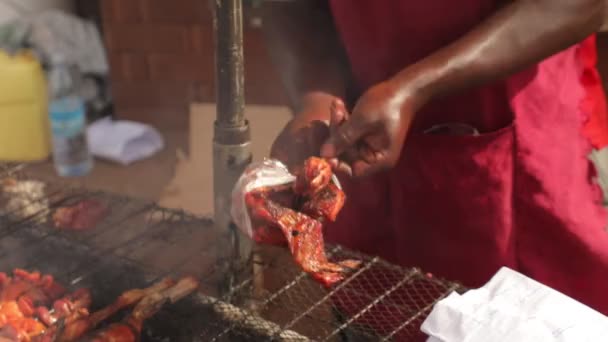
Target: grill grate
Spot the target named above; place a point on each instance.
(139, 242)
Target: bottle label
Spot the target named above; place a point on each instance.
(69, 138)
(67, 124)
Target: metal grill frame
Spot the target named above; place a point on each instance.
(145, 222)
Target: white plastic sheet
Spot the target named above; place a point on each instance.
(514, 308)
(269, 172)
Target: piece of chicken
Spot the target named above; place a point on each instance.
(40, 289)
(16, 325)
(325, 204)
(77, 325)
(304, 236)
(22, 330)
(298, 216)
(75, 303)
(270, 234)
(20, 296)
(314, 175)
(129, 330)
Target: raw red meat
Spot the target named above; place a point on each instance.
(83, 215)
(294, 217)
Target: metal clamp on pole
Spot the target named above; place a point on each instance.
(231, 136)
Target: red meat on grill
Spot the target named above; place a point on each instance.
(294, 216)
(83, 215)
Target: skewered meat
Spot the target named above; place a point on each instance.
(76, 303)
(34, 308)
(129, 329)
(16, 325)
(83, 215)
(78, 325)
(19, 296)
(40, 288)
(298, 215)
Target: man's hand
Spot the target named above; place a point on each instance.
(371, 137)
(519, 34)
(305, 133)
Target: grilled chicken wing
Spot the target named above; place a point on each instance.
(129, 329)
(297, 220)
(304, 236)
(77, 326)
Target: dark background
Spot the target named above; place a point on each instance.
(161, 57)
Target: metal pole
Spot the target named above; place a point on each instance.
(231, 138)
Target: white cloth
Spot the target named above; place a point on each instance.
(514, 308)
(62, 37)
(14, 9)
(123, 141)
(56, 37)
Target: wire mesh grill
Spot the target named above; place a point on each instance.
(139, 242)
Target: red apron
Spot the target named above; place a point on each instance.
(520, 194)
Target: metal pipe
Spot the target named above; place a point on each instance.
(231, 135)
(230, 92)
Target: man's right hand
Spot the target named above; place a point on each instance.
(303, 136)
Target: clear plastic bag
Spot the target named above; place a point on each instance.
(269, 172)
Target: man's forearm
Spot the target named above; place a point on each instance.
(304, 46)
(520, 34)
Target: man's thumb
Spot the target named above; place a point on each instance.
(342, 138)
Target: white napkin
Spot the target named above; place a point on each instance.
(514, 308)
(123, 141)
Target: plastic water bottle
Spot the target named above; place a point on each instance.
(67, 112)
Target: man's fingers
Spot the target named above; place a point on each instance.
(338, 115)
(370, 161)
(338, 112)
(361, 168)
(340, 166)
(345, 136)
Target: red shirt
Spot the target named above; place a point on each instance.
(520, 195)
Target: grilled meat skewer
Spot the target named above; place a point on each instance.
(77, 325)
(77, 302)
(129, 329)
(20, 296)
(34, 308)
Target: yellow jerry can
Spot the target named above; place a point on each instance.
(24, 124)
